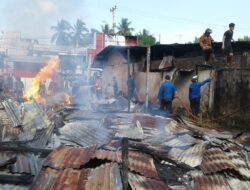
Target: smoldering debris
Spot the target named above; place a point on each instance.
(87, 146)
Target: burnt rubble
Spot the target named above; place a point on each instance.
(77, 148)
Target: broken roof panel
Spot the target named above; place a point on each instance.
(69, 157)
(104, 177)
(143, 183)
(211, 182)
(215, 160)
(81, 134)
(244, 140)
(238, 184)
(181, 141)
(50, 179)
(139, 162)
(191, 156)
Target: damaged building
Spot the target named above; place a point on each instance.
(181, 62)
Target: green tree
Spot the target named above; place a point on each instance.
(245, 38)
(89, 38)
(124, 28)
(145, 38)
(62, 33)
(79, 33)
(106, 29)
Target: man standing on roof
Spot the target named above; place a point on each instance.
(195, 94)
(226, 43)
(166, 95)
(206, 42)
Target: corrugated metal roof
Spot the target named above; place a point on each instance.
(13, 187)
(25, 162)
(138, 182)
(138, 162)
(133, 131)
(180, 141)
(191, 156)
(68, 179)
(69, 157)
(7, 132)
(237, 184)
(215, 160)
(104, 177)
(239, 163)
(211, 182)
(84, 135)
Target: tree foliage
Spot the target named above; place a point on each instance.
(196, 40)
(145, 38)
(62, 33)
(80, 31)
(124, 27)
(245, 38)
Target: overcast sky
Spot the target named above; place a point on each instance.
(175, 21)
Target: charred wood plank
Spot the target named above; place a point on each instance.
(125, 161)
(14, 179)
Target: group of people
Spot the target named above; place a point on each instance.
(206, 44)
(167, 93)
(11, 86)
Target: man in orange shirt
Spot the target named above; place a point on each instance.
(206, 42)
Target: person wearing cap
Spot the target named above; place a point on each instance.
(195, 94)
(167, 93)
(206, 42)
(227, 42)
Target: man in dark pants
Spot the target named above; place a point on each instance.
(195, 94)
(206, 42)
(166, 95)
(226, 43)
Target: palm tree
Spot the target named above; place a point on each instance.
(62, 33)
(124, 27)
(106, 29)
(79, 33)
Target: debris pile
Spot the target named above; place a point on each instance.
(75, 148)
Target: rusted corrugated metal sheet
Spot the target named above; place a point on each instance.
(12, 112)
(244, 140)
(191, 156)
(69, 157)
(104, 177)
(68, 179)
(138, 182)
(215, 160)
(151, 121)
(240, 163)
(138, 162)
(211, 182)
(84, 135)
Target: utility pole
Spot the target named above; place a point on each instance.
(112, 10)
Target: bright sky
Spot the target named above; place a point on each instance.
(175, 21)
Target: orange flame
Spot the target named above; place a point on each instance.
(44, 74)
(67, 99)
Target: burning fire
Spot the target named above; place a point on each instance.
(44, 74)
(67, 99)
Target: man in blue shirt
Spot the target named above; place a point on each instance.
(166, 95)
(195, 94)
(131, 86)
(115, 87)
